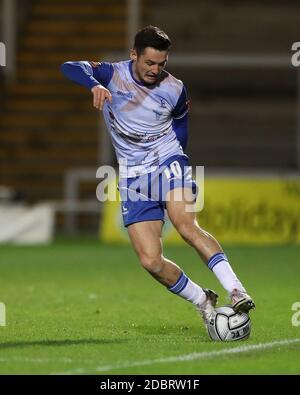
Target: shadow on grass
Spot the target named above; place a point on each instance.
(58, 343)
(188, 332)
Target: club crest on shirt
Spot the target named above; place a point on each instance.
(163, 103)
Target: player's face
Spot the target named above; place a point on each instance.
(148, 65)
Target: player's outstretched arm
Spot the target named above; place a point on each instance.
(93, 76)
(80, 72)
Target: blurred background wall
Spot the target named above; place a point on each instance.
(233, 56)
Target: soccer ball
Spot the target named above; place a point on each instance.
(227, 325)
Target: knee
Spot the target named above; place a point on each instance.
(152, 263)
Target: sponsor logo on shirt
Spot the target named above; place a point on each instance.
(129, 95)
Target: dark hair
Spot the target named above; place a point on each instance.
(151, 36)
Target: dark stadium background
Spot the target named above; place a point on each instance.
(243, 89)
(80, 305)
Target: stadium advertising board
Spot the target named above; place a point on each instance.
(239, 211)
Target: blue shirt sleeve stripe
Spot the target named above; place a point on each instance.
(181, 107)
(180, 127)
(103, 73)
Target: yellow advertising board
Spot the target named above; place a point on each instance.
(236, 211)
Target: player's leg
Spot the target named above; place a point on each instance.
(207, 247)
(146, 239)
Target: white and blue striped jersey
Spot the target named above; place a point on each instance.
(140, 117)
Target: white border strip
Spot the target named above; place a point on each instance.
(186, 357)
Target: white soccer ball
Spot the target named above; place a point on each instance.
(227, 325)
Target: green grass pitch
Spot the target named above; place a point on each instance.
(86, 308)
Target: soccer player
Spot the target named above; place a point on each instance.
(146, 113)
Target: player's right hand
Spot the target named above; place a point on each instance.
(100, 94)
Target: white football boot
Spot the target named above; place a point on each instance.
(241, 301)
(207, 308)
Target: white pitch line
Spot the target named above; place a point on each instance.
(186, 357)
(24, 359)
(43, 360)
